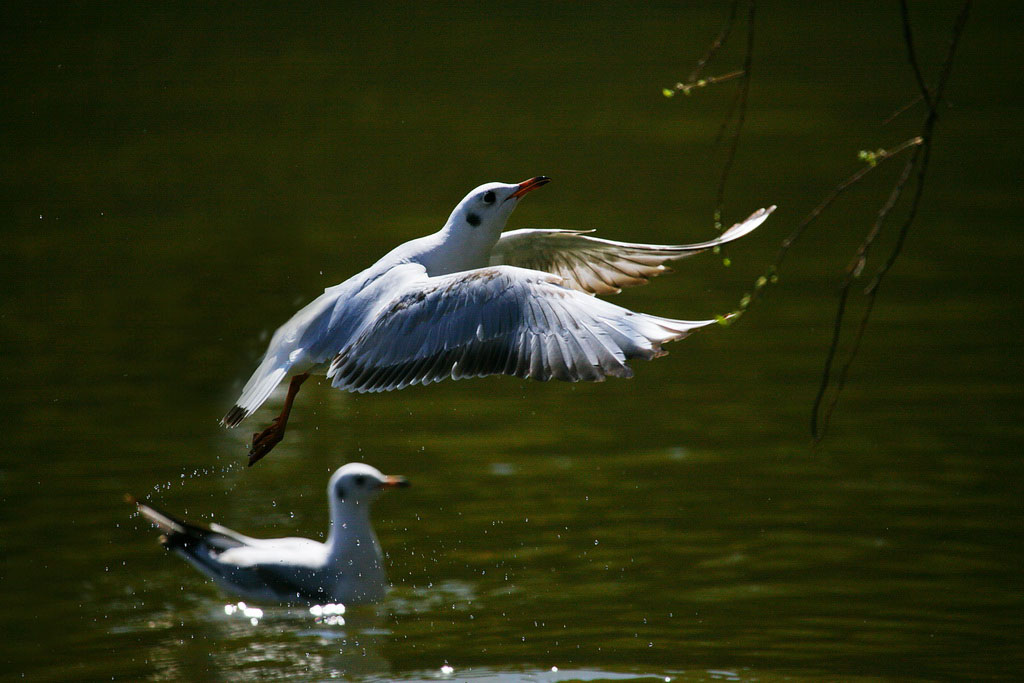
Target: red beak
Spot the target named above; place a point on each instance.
(528, 185)
(395, 482)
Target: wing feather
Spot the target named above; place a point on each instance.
(497, 320)
(599, 266)
(181, 534)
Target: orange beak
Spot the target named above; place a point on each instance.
(395, 482)
(528, 185)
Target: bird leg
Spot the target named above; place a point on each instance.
(265, 441)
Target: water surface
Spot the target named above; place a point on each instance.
(178, 181)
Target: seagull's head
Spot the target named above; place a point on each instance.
(357, 483)
(486, 209)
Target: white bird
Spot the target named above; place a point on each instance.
(348, 568)
(471, 300)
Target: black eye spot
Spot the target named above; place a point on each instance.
(360, 480)
(473, 219)
(489, 197)
(341, 493)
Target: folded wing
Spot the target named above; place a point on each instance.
(599, 266)
(498, 321)
(179, 534)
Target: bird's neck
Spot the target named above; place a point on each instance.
(457, 247)
(351, 535)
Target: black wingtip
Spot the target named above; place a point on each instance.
(234, 417)
(173, 541)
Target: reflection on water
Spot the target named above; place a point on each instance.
(177, 180)
(330, 614)
(253, 614)
(292, 641)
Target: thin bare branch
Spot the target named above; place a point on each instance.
(844, 372)
(902, 110)
(687, 88)
(717, 43)
(853, 271)
(748, 61)
(920, 159)
(926, 135)
(873, 159)
(856, 266)
(729, 114)
(908, 41)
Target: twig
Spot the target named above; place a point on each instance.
(717, 43)
(856, 266)
(873, 160)
(926, 135)
(741, 116)
(687, 88)
(908, 40)
(739, 104)
(724, 126)
(920, 159)
(906, 107)
(853, 272)
(843, 374)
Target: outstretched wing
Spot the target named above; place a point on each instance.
(600, 266)
(498, 321)
(314, 334)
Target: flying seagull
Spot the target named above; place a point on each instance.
(348, 568)
(470, 301)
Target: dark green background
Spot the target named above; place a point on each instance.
(177, 180)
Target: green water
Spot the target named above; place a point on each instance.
(177, 182)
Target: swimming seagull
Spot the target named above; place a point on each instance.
(348, 568)
(471, 300)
